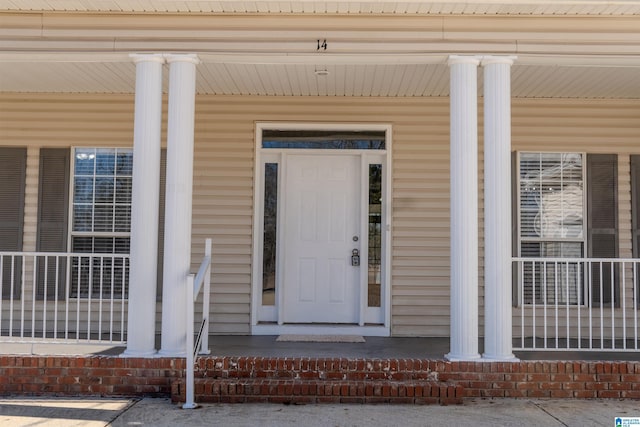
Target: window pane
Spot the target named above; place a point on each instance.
(124, 165)
(103, 218)
(340, 140)
(105, 161)
(551, 195)
(103, 245)
(529, 223)
(270, 233)
(82, 244)
(82, 218)
(121, 245)
(122, 219)
(85, 161)
(83, 190)
(123, 190)
(375, 235)
(104, 190)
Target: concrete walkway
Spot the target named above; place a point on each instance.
(92, 412)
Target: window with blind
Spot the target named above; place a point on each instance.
(101, 219)
(567, 208)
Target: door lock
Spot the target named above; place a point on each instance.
(355, 257)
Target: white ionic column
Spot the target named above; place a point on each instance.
(144, 206)
(497, 208)
(464, 208)
(178, 200)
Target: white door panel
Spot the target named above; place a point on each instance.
(321, 217)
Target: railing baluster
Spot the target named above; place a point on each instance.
(623, 284)
(78, 296)
(67, 292)
(579, 285)
(521, 302)
(100, 298)
(601, 306)
(22, 296)
(113, 285)
(90, 297)
(590, 302)
(613, 307)
(44, 298)
(567, 301)
(544, 303)
(533, 301)
(2, 289)
(55, 299)
(10, 301)
(123, 295)
(555, 301)
(636, 291)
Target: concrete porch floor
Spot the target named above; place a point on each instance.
(432, 348)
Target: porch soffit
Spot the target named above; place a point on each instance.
(393, 56)
(299, 79)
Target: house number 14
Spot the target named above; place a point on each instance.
(322, 44)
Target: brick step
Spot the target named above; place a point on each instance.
(301, 391)
(319, 368)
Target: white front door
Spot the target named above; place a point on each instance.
(322, 228)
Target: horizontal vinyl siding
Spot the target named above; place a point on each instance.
(420, 252)
(224, 162)
(223, 198)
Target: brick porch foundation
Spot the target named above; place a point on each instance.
(309, 380)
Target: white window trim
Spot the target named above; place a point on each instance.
(272, 155)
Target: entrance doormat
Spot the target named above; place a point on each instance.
(321, 338)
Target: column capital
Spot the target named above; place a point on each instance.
(497, 59)
(147, 57)
(182, 57)
(461, 59)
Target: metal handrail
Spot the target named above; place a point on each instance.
(195, 283)
(56, 297)
(586, 304)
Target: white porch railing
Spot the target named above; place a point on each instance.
(576, 304)
(201, 341)
(63, 297)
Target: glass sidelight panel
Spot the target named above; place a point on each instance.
(375, 235)
(270, 233)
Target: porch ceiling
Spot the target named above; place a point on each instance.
(403, 7)
(300, 79)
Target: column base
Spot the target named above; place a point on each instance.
(171, 353)
(462, 357)
(500, 358)
(134, 353)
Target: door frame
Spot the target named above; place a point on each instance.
(267, 320)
